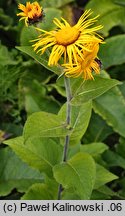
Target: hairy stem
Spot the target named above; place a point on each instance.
(68, 120)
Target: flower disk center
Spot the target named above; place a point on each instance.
(67, 36)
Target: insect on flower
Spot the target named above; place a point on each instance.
(31, 13)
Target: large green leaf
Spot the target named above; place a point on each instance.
(69, 195)
(80, 116)
(15, 174)
(103, 176)
(112, 53)
(42, 59)
(111, 107)
(40, 191)
(87, 90)
(41, 154)
(77, 173)
(43, 124)
(94, 148)
(111, 14)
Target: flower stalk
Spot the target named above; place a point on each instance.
(68, 122)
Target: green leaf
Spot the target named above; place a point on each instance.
(114, 159)
(70, 196)
(94, 148)
(103, 176)
(15, 174)
(121, 2)
(58, 88)
(27, 35)
(38, 192)
(111, 107)
(97, 130)
(112, 53)
(120, 148)
(122, 87)
(55, 3)
(41, 59)
(6, 57)
(121, 183)
(34, 103)
(111, 14)
(50, 12)
(5, 20)
(8, 77)
(79, 119)
(41, 154)
(73, 149)
(97, 195)
(89, 89)
(35, 98)
(33, 91)
(43, 124)
(104, 192)
(42, 192)
(77, 173)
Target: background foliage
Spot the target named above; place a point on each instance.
(27, 87)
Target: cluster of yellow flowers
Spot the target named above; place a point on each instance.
(78, 45)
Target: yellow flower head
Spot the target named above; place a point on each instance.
(85, 66)
(68, 41)
(32, 12)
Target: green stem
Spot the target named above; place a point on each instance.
(68, 120)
